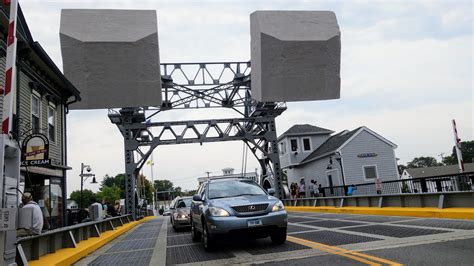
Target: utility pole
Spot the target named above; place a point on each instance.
(152, 179)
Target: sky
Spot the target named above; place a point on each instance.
(406, 71)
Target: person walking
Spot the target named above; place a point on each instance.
(321, 191)
(302, 189)
(92, 213)
(351, 190)
(295, 190)
(311, 188)
(37, 223)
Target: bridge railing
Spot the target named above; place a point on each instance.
(432, 184)
(458, 199)
(33, 247)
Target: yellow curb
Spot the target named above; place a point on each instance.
(68, 256)
(453, 213)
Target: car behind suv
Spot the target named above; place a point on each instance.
(236, 207)
(180, 213)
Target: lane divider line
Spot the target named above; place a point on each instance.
(361, 257)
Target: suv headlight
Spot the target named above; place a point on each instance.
(278, 206)
(214, 211)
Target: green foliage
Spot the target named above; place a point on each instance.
(189, 192)
(86, 197)
(148, 188)
(110, 194)
(163, 185)
(467, 151)
(401, 168)
(118, 180)
(423, 162)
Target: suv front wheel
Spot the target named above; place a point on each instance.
(195, 234)
(279, 236)
(207, 239)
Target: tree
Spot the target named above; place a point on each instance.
(148, 187)
(467, 152)
(118, 180)
(86, 197)
(189, 192)
(401, 168)
(110, 194)
(423, 162)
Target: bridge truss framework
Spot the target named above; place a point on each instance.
(195, 86)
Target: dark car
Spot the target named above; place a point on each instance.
(180, 212)
(236, 207)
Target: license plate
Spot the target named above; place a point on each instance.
(252, 223)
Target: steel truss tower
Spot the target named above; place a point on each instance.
(201, 85)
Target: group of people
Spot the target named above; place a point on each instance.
(299, 190)
(105, 210)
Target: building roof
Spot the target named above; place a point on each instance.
(304, 129)
(330, 145)
(33, 51)
(438, 170)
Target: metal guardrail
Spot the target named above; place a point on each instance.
(440, 200)
(33, 247)
(432, 184)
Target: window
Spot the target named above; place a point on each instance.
(51, 123)
(294, 144)
(282, 148)
(370, 172)
(35, 114)
(306, 144)
(228, 189)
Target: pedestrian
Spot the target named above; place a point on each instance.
(294, 190)
(316, 189)
(311, 188)
(378, 185)
(321, 191)
(302, 189)
(351, 190)
(37, 221)
(118, 208)
(104, 208)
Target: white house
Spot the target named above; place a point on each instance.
(357, 156)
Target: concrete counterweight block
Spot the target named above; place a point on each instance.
(295, 55)
(112, 57)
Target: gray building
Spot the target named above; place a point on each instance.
(41, 99)
(348, 157)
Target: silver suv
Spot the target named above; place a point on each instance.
(236, 207)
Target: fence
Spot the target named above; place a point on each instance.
(33, 247)
(433, 184)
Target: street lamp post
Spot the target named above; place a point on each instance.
(82, 175)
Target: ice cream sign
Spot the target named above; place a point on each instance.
(35, 151)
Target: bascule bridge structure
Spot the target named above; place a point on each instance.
(113, 58)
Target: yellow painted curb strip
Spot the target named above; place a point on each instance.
(453, 213)
(68, 256)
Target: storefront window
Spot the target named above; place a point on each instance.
(56, 203)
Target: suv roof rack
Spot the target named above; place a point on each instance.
(232, 176)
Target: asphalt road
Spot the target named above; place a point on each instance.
(313, 238)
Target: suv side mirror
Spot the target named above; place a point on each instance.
(197, 197)
(271, 191)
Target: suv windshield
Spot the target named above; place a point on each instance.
(234, 188)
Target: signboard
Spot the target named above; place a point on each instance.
(7, 219)
(365, 155)
(35, 150)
